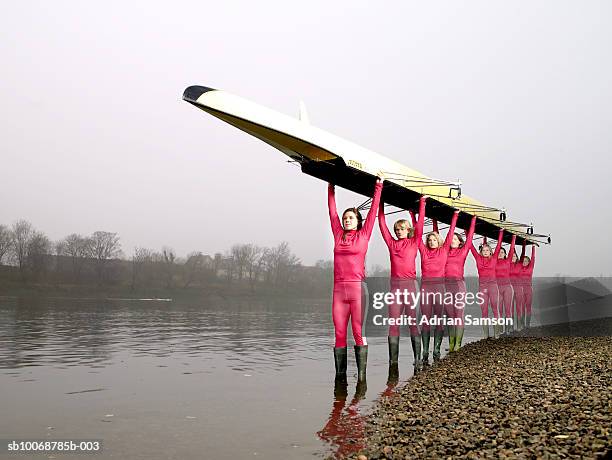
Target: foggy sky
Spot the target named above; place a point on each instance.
(513, 98)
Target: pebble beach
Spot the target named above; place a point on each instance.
(541, 393)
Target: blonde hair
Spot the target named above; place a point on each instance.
(437, 236)
(485, 245)
(405, 223)
(526, 258)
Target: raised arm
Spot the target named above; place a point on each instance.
(368, 225)
(499, 243)
(451, 230)
(532, 261)
(382, 223)
(474, 252)
(470, 233)
(333, 212)
(512, 245)
(418, 226)
(523, 251)
(413, 218)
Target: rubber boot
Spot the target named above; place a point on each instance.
(416, 351)
(451, 343)
(393, 349)
(528, 321)
(496, 330)
(458, 338)
(340, 362)
(393, 376)
(485, 331)
(451, 338)
(425, 339)
(361, 356)
(438, 336)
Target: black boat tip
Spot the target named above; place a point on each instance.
(192, 93)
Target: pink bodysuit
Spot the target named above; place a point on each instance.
(487, 286)
(350, 249)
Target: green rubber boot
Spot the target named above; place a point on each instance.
(451, 338)
(458, 338)
(415, 340)
(361, 356)
(438, 337)
(485, 331)
(425, 340)
(528, 321)
(451, 343)
(393, 349)
(340, 362)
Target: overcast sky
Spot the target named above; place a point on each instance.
(513, 98)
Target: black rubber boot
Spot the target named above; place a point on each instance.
(416, 351)
(361, 356)
(393, 349)
(425, 339)
(340, 362)
(438, 336)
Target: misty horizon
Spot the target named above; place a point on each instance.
(513, 100)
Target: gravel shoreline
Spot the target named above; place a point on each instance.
(514, 397)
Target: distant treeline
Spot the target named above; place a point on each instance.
(29, 258)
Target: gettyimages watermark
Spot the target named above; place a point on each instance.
(412, 305)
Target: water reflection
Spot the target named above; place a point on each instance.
(253, 371)
(344, 430)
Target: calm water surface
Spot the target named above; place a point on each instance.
(170, 380)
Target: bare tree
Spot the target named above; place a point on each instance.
(282, 263)
(5, 241)
(21, 234)
(104, 246)
(77, 248)
(169, 257)
(253, 256)
(39, 249)
(141, 257)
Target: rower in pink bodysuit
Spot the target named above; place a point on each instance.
(515, 270)
(434, 254)
(350, 248)
(455, 284)
(402, 253)
(526, 275)
(502, 273)
(487, 287)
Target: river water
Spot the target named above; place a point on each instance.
(175, 380)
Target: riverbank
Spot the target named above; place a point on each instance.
(514, 397)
